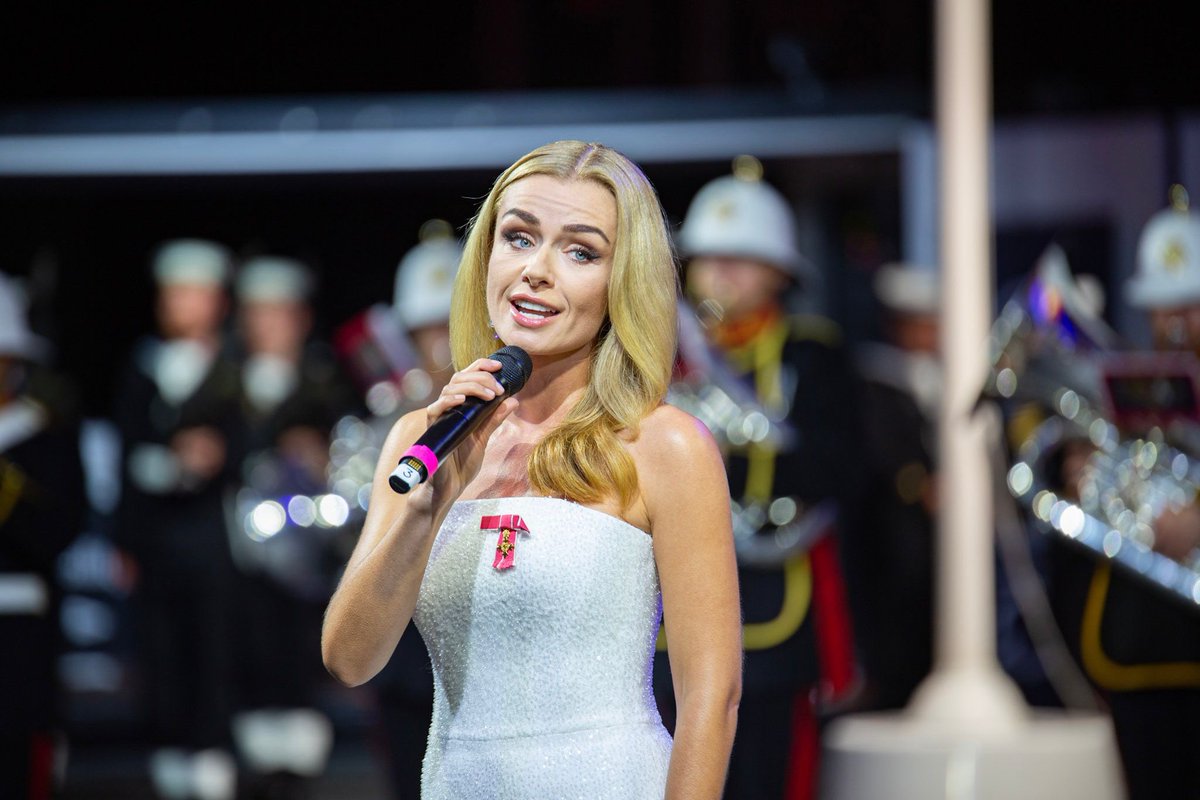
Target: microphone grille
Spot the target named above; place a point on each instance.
(515, 367)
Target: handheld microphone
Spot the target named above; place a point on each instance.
(422, 459)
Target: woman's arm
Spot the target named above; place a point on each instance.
(686, 494)
(378, 591)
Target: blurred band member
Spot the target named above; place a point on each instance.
(423, 282)
(1138, 645)
(424, 279)
(292, 395)
(890, 541)
(174, 409)
(41, 511)
(1167, 287)
(742, 267)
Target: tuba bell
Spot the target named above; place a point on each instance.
(1132, 417)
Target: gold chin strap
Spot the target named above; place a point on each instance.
(1111, 675)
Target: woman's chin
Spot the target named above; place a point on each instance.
(540, 349)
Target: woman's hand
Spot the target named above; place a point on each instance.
(461, 466)
(378, 592)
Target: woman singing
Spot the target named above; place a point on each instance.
(536, 558)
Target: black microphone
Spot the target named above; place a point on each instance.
(422, 459)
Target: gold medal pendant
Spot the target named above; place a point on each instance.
(506, 544)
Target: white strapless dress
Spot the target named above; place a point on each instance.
(542, 670)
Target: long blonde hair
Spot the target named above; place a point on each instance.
(582, 458)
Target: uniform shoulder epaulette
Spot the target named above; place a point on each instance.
(814, 327)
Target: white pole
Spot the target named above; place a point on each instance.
(967, 732)
(967, 683)
(967, 630)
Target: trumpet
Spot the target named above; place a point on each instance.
(1051, 348)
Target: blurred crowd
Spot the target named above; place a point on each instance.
(163, 571)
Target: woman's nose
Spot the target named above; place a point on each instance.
(538, 271)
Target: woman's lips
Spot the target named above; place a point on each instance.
(532, 315)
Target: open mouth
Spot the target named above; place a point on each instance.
(528, 310)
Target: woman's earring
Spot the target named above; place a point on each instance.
(493, 330)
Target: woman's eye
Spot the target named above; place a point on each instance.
(518, 240)
(584, 255)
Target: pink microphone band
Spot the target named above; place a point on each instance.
(424, 455)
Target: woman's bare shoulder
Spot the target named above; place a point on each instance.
(670, 432)
(681, 475)
(675, 451)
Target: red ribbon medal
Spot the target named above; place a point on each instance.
(506, 543)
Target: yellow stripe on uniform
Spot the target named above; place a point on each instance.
(1119, 677)
(797, 594)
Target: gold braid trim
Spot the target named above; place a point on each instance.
(12, 483)
(765, 357)
(797, 594)
(1111, 675)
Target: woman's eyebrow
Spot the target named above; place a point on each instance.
(522, 215)
(577, 227)
(581, 228)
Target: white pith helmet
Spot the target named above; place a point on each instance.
(273, 279)
(741, 215)
(908, 288)
(16, 339)
(1168, 259)
(191, 261)
(425, 277)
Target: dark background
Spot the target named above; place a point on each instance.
(84, 244)
(92, 237)
(1048, 57)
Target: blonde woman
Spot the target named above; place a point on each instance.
(538, 557)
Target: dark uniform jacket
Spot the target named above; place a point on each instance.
(889, 536)
(186, 519)
(796, 364)
(1139, 645)
(282, 593)
(42, 509)
(176, 530)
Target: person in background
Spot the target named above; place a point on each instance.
(41, 511)
(742, 268)
(423, 284)
(292, 395)
(424, 281)
(889, 539)
(175, 410)
(1138, 645)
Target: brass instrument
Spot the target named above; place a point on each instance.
(1051, 347)
(707, 389)
(299, 529)
(766, 534)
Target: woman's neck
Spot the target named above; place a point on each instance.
(554, 386)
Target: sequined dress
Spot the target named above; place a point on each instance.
(542, 682)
